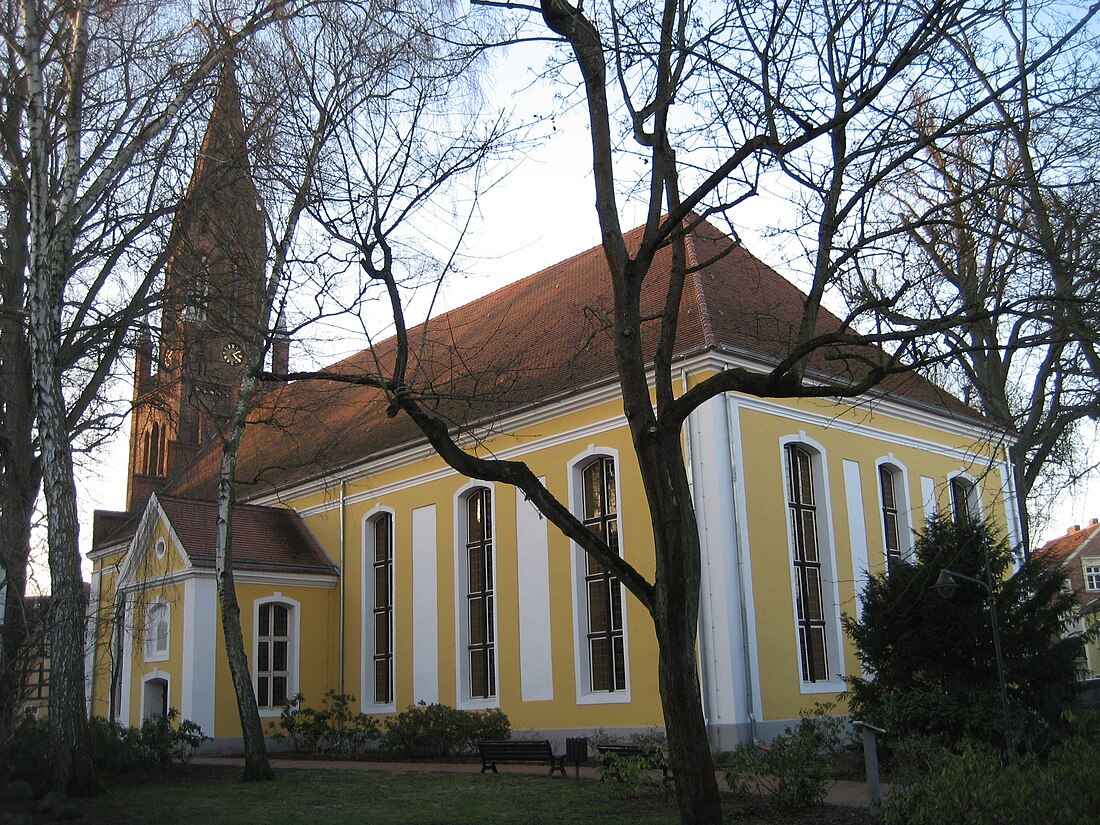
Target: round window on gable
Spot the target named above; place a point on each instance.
(160, 548)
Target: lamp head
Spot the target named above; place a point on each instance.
(946, 584)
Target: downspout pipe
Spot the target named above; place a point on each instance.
(343, 543)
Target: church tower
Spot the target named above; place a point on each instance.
(188, 372)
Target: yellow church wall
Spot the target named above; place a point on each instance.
(783, 695)
(142, 664)
(435, 484)
(861, 434)
(316, 649)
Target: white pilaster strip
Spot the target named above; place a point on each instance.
(533, 591)
(928, 496)
(425, 618)
(200, 612)
(857, 529)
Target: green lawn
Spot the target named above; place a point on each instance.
(376, 797)
(214, 795)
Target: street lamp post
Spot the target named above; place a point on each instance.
(946, 584)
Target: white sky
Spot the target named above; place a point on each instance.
(542, 213)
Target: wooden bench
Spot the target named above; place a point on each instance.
(653, 759)
(519, 752)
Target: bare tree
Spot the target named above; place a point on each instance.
(75, 143)
(321, 77)
(812, 97)
(1005, 218)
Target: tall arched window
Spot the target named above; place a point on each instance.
(810, 609)
(154, 449)
(378, 565)
(480, 618)
(603, 592)
(897, 533)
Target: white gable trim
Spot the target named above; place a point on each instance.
(140, 545)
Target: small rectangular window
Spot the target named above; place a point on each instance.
(1092, 577)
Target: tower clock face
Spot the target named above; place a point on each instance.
(232, 354)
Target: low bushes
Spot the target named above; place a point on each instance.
(796, 768)
(420, 731)
(424, 730)
(335, 728)
(114, 748)
(117, 749)
(978, 787)
(632, 772)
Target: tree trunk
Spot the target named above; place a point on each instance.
(675, 622)
(256, 765)
(18, 490)
(685, 728)
(19, 471)
(71, 769)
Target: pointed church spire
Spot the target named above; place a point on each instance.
(214, 288)
(222, 170)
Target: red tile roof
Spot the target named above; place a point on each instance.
(272, 539)
(538, 339)
(1060, 549)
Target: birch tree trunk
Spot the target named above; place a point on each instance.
(256, 765)
(50, 236)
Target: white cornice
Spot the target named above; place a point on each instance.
(589, 431)
(287, 579)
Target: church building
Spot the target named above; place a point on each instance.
(365, 565)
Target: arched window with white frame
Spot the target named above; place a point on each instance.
(966, 505)
(603, 673)
(894, 503)
(157, 630)
(476, 592)
(378, 634)
(813, 566)
(275, 651)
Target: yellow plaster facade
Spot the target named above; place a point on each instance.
(752, 663)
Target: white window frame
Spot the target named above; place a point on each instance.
(1092, 575)
(465, 700)
(830, 590)
(153, 651)
(294, 609)
(973, 495)
(902, 506)
(367, 691)
(581, 657)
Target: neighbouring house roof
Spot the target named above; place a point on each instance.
(1065, 550)
(1062, 549)
(264, 538)
(538, 339)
